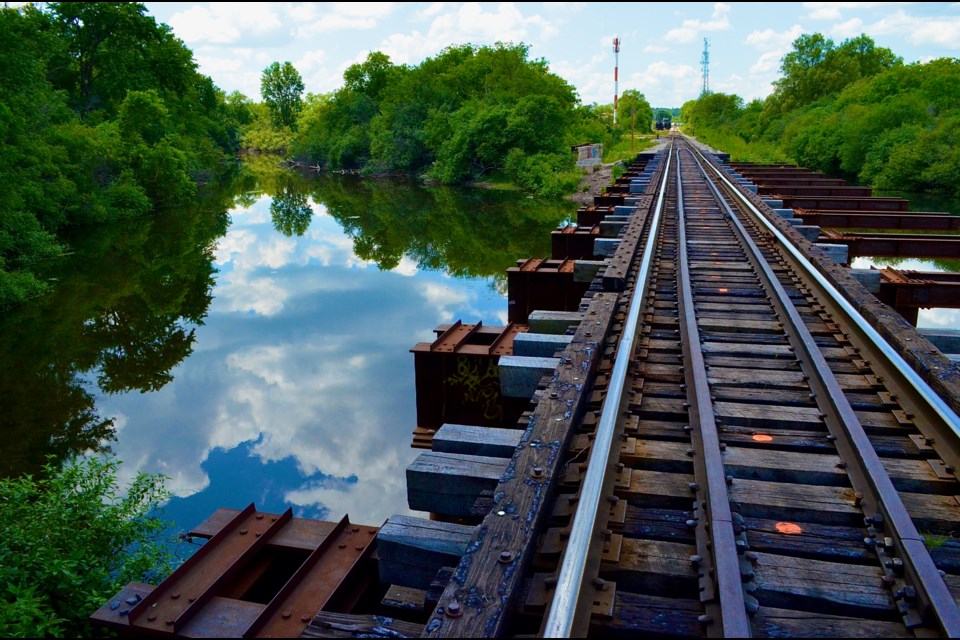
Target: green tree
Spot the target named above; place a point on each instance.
(291, 213)
(71, 539)
(633, 106)
(282, 89)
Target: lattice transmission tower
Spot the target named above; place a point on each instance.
(705, 68)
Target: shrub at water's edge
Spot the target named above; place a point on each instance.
(71, 541)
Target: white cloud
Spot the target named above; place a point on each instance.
(315, 18)
(690, 29)
(224, 22)
(773, 45)
(833, 10)
(940, 31)
(656, 48)
(407, 267)
(468, 23)
(447, 300)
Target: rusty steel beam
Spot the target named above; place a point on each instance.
(845, 204)
(545, 285)
(912, 221)
(181, 596)
(895, 245)
(919, 289)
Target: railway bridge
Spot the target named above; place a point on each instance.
(696, 424)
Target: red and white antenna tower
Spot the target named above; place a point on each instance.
(616, 68)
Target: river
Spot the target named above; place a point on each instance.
(256, 348)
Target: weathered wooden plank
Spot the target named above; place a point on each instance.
(412, 550)
(808, 540)
(636, 615)
(520, 375)
(553, 322)
(476, 441)
(668, 525)
(802, 440)
(770, 622)
(784, 466)
(539, 345)
(482, 581)
(450, 483)
(752, 415)
(407, 600)
(826, 587)
(327, 624)
(773, 364)
(748, 350)
(654, 568)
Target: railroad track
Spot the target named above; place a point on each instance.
(754, 464)
(774, 481)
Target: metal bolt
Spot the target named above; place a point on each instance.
(359, 547)
(857, 499)
(537, 472)
(693, 487)
(690, 453)
(841, 465)
(696, 559)
(286, 614)
(152, 617)
(691, 524)
(729, 479)
(831, 437)
(704, 619)
(259, 516)
(174, 596)
(505, 557)
(305, 617)
(342, 545)
(453, 610)
(169, 622)
(243, 532)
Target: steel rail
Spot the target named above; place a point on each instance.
(571, 592)
(716, 540)
(866, 470)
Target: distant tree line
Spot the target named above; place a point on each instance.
(465, 114)
(103, 116)
(853, 109)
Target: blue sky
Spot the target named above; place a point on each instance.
(660, 53)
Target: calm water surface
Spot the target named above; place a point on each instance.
(927, 318)
(257, 349)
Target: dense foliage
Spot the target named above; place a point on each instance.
(465, 114)
(103, 116)
(75, 543)
(852, 109)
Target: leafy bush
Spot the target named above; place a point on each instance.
(70, 541)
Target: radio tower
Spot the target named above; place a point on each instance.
(705, 68)
(616, 67)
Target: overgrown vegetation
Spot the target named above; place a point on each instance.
(852, 109)
(103, 116)
(458, 117)
(70, 541)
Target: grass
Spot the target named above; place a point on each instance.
(621, 150)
